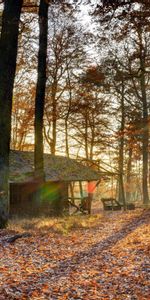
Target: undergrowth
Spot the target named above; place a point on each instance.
(61, 225)
(66, 224)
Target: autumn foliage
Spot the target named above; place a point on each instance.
(105, 256)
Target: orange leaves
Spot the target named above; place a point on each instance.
(3, 269)
(45, 288)
(109, 260)
(35, 294)
(94, 75)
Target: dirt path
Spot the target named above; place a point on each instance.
(110, 259)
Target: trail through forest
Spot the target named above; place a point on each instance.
(106, 256)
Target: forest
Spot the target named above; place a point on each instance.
(74, 149)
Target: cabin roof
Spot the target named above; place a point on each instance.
(57, 168)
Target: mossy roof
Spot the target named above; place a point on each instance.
(57, 168)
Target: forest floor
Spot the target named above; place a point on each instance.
(104, 256)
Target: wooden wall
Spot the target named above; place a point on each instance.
(34, 199)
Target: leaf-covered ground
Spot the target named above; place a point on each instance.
(106, 256)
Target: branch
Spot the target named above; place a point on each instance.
(13, 238)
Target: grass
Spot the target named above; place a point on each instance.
(61, 225)
(64, 225)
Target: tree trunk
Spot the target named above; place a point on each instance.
(8, 56)
(66, 137)
(54, 117)
(145, 129)
(40, 90)
(121, 152)
(145, 149)
(86, 137)
(53, 144)
(129, 166)
(68, 112)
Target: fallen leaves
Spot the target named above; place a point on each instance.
(109, 259)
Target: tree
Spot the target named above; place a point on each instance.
(90, 114)
(23, 117)
(8, 55)
(64, 55)
(40, 89)
(132, 38)
(25, 82)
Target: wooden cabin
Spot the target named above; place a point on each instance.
(33, 199)
(29, 197)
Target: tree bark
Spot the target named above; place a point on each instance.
(40, 90)
(145, 138)
(129, 166)
(121, 152)
(68, 112)
(8, 56)
(54, 117)
(145, 129)
(86, 136)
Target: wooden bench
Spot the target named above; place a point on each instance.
(130, 206)
(111, 204)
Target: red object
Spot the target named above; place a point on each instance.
(91, 187)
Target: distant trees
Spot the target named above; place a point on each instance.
(132, 39)
(22, 137)
(81, 106)
(65, 54)
(23, 118)
(90, 118)
(8, 56)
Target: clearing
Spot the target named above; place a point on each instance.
(106, 256)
